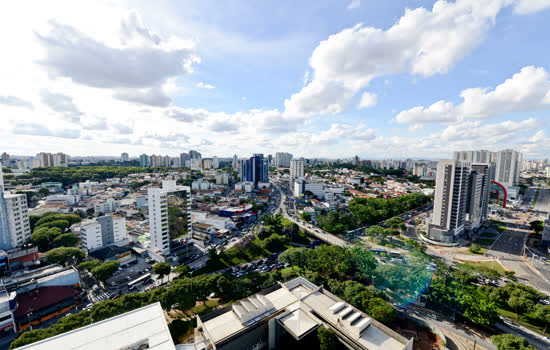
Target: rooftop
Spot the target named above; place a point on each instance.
(143, 328)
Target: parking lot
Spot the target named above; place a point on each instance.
(119, 281)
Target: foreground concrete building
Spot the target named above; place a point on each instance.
(287, 316)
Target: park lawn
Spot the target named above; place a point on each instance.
(485, 241)
(489, 264)
(526, 319)
(500, 228)
(488, 234)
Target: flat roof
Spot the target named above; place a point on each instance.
(145, 325)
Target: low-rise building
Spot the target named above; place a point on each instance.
(103, 231)
(289, 314)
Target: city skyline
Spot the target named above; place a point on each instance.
(253, 80)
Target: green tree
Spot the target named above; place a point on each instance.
(306, 217)
(65, 256)
(537, 226)
(475, 249)
(43, 192)
(89, 265)
(43, 237)
(275, 243)
(365, 262)
(511, 342)
(381, 311)
(105, 270)
(66, 240)
(374, 231)
(478, 308)
(162, 269)
(520, 303)
(327, 339)
(542, 314)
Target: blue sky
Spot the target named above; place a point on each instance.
(316, 78)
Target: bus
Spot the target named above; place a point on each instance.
(138, 281)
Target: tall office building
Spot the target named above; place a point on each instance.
(508, 167)
(451, 195)
(5, 157)
(235, 162)
(282, 159)
(255, 169)
(144, 161)
(124, 157)
(297, 168)
(158, 213)
(103, 231)
(15, 229)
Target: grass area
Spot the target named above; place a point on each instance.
(497, 222)
(488, 235)
(485, 241)
(489, 264)
(527, 319)
(499, 228)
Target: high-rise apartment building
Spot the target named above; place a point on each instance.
(15, 229)
(254, 169)
(508, 167)
(215, 162)
(451, 196)
(207, 164)
(1, 178)
(51, 160)
(144, 161)
(297, 168)
(5, 157)
(235, 162)
(124, 157)
(194, 154)
(184, 159)
(478, 194)
(158, 212)
(103, 231)
(282, 159)
(481, 156)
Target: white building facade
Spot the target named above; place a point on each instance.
(297, 168)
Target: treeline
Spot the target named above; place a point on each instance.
(362, 168)
(368, 211)
(71, 175)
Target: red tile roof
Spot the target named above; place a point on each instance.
(43, 297)
(28, 257)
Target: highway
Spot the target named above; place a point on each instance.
(314, 231)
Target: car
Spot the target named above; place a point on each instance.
(128, 278)
(113, 283)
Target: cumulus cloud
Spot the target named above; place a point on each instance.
(35, 129)
(367, 100)
(61, 104)
(525, 91)
(338, 132)
(122, 129)
(471, 130)
(93, 123)
(143, 62)
(205, 86)
(422, 42)
(530, 6)
(354, 4)
(154, 96)
(186, 115)
(14, 102)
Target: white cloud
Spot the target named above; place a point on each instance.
(367, 100)
(62, 104)
(205, 86)
(528, 90)
(35, 129)
(14, 102)
(354, 4)
(531, 6)
(422, 42)
(154, 96)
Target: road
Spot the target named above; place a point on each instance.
(314, 231)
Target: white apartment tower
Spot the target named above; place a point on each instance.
(103, 231)
(15, 229)
(508, 167)
(297, 168)
(158, 213)
(1, 178)
(451, 195)
(282, 159)
(478, 194)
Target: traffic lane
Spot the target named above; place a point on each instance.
(510, 241)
